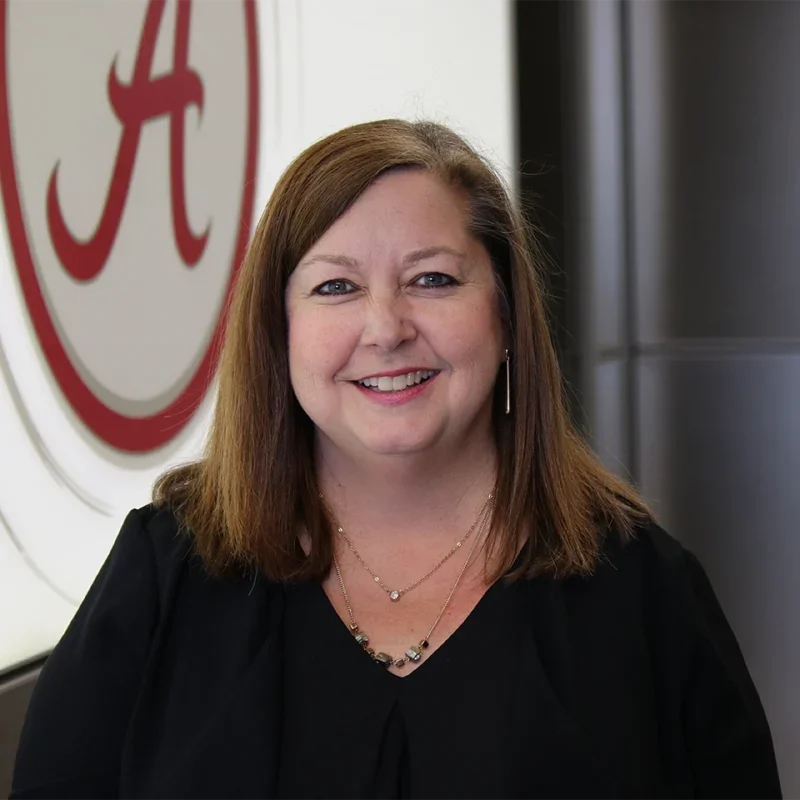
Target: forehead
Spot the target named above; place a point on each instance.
(404, 210)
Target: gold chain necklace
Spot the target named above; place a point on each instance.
(396, 594)
(413, 653)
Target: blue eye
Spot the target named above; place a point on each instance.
(335, 287)
(435, 280)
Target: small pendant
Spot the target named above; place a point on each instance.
(395, 595)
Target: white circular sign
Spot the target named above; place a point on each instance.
(128, 147)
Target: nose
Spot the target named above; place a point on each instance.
(388, 323)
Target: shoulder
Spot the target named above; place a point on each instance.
(697, 664)
(652, 582)
(153, 542)
(179, 571)
(650, 554)
(648, 544)
(648, 581)
(162, 531)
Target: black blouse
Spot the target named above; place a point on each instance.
(170, 683)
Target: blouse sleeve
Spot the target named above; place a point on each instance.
(82, 702)
(726, 730)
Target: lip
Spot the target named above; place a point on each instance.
(395, 398)
(395, 372)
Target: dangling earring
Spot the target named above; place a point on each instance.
(508, 383)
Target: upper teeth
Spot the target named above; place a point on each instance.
(398, 382)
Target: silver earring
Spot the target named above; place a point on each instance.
(508, 383)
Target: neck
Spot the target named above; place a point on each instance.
(428, 492)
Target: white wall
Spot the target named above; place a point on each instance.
(324, 64)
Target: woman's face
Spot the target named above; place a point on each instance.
(395, 339)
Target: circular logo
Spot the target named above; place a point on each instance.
(128, 139)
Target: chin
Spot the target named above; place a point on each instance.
(396, 447)
(405, 442)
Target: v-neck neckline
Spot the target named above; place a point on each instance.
(446, 652)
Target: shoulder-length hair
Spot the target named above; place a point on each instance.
(246, 500)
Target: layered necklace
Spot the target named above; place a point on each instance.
(414, 652)
(397, 594)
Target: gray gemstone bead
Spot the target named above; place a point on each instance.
(384, 659)
(413, 654)
(362, 639)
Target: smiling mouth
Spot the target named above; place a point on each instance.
(398, 382)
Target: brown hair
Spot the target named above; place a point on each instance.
(255, 486)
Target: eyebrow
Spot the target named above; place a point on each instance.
(410, 259)
(431, 252)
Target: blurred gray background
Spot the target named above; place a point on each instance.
(661, 148)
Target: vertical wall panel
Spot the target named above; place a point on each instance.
(682, 124)
(715, 229)
(720, 451)
(735, 128)
(594, 155)
(611, 431)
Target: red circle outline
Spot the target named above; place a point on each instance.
(130, 434)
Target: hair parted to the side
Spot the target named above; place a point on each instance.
(254, 489)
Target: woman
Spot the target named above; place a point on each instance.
(397, 571)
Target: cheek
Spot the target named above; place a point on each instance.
(472, 336)
(484, 344)
(319, 345)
